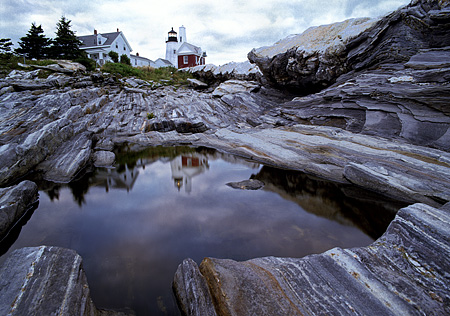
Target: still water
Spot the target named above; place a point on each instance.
(135, 223)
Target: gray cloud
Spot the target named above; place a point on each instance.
(227, 30)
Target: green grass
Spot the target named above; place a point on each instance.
(167, 75)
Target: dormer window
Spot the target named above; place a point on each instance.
(99, 42)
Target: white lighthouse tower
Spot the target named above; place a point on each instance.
(172, 46)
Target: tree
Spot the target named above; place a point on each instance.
(34, 44)
(5, 47)
(114, 56)
(124, 59)
(65, 45)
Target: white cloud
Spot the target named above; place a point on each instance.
(227, 30)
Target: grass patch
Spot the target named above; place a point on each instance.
(165, 75)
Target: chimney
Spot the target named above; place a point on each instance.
(137, 54)
(117, 29)
(95, 32)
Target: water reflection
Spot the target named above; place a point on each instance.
(135, 223)
(341, 203)
(185, 167)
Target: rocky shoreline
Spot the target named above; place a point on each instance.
(379, 120)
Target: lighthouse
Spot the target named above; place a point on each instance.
(171, 47)
(180, 53)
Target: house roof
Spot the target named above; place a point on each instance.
(164, 61)
(140, 57)
(91, 40)
(188, 49)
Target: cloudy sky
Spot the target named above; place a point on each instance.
(226, 29)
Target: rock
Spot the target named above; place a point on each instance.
(45, 281)
(250, 184)
(15, 201)
(192, 290)
(233, 70)
(6, 90)
(73, 66)
(430, 59)
(104, 158)
(315, 59)
(235, 86)
(36, 85)
(190, 127)
(65, 163)
(404, 271)
(197, 84)
(370, 103)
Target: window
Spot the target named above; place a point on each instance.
(174, 51)
(117, 45)
(124, 47)
(99, 42)
(185, 59)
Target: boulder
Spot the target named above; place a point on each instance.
(251, 184)
(68, 160)
(235, 86)
(192, 290)
(315, 59)
(46, 281)
(233, 70)
(197, 84)
(403, 272)
(15, 201)
(71, 65)
(103, 158)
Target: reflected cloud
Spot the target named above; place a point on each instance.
(133, 224)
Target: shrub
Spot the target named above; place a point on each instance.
(122, 69)
(124, 59)
(87, 62)
(114, 56)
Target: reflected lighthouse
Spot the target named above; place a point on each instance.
(185, 167)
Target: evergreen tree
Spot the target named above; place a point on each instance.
(65, 45)
(34, 44)
(5, 46)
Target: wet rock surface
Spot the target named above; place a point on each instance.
(15, 201)
(393, 276)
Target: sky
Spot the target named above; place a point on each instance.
(226, 29)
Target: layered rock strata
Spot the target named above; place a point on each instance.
(15, 201)
(46, 281)
(403, 272)
(316, 58)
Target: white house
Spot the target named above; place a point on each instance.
(160, 62)
(138, 61)
(97, 47)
